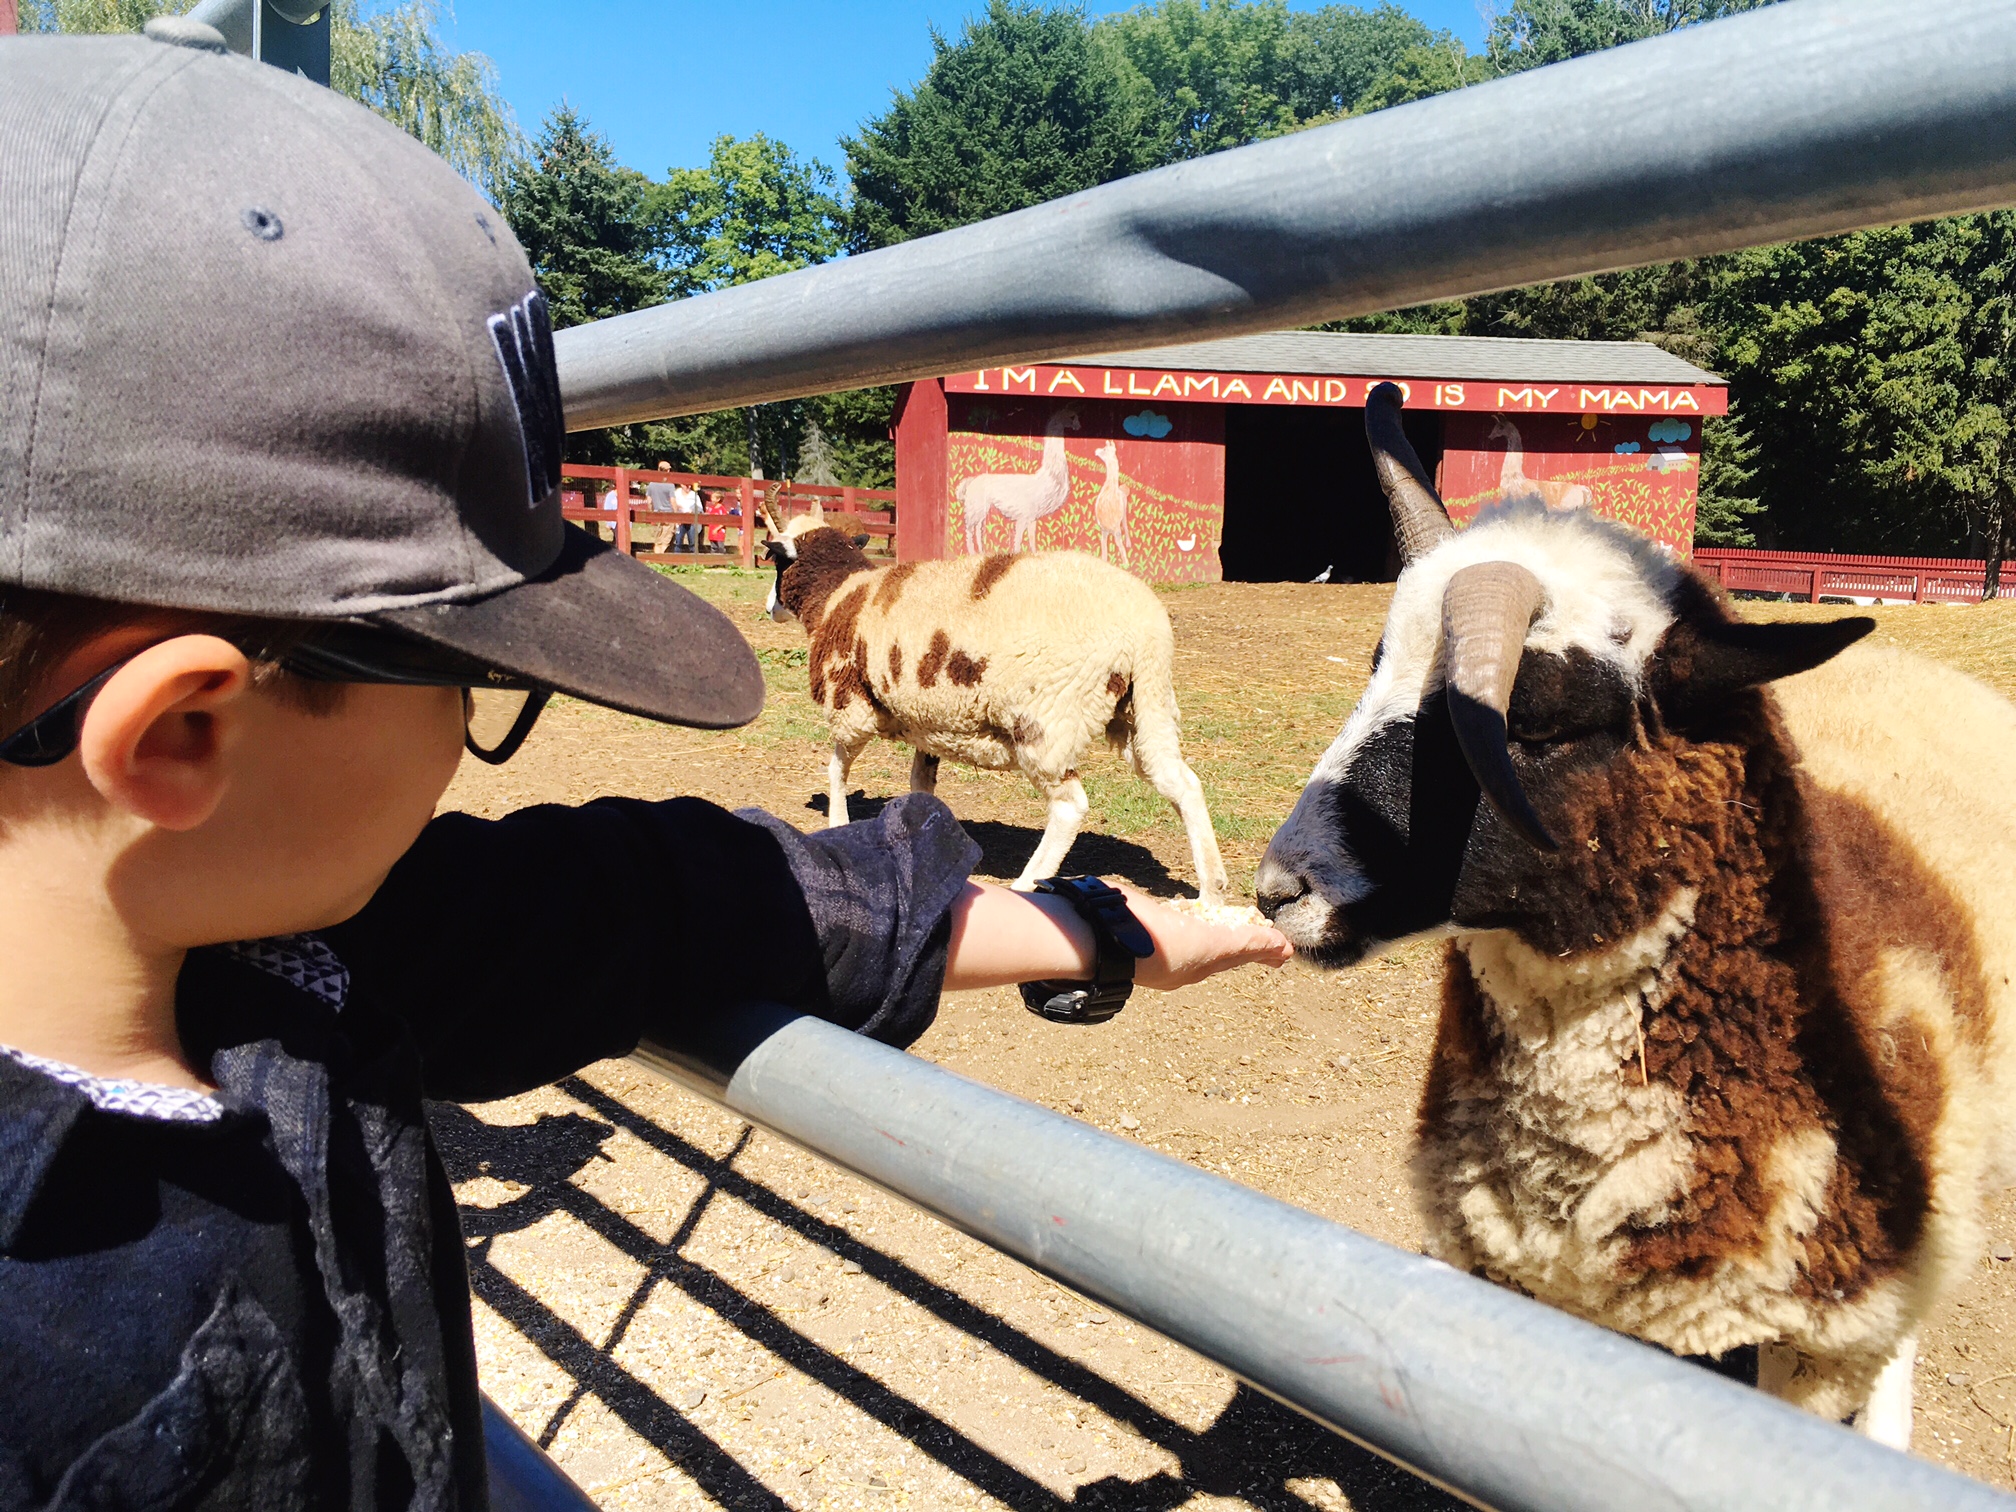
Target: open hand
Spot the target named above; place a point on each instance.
(1189, 949)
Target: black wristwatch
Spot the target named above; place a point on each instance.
(1119, 942)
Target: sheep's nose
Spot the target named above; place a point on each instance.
(1275, 887)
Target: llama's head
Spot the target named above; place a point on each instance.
(1108, 452)
(1523, 662)
(1065, 419)
(1501, 430)
(811, 559)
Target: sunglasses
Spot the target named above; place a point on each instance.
(498, 709)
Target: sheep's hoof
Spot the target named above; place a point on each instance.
(1023, 884)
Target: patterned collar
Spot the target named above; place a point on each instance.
(300, 960)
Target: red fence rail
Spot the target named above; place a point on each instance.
(735, 507)
(1813, 575)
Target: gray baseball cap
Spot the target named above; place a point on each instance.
(263, 353)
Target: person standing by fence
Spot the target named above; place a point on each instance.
(664, 496)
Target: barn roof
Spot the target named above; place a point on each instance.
(1483, 359)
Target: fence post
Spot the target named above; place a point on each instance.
(747, 495)
(623, 510)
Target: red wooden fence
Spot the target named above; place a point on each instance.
(737, 506)
(1812, 575)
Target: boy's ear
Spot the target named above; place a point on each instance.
(154, 740)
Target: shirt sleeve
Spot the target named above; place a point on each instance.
(519, 950)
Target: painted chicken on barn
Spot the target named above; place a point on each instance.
(1727, 1053)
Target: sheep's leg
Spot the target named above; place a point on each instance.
(923, 773)
(1068, 806)
(1158, 758)
(1174, 780)
(1887, 1416)
(844, 752)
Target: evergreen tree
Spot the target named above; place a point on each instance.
(1727, 498)
(585, 223)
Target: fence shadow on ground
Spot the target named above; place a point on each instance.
(1252, 1450)
(1006, 848)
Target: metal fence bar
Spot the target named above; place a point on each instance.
(1507, 1402)
(1800, 119)
(522, 1478)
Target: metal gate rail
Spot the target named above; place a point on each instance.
(1804, 118)
(1506, 1402)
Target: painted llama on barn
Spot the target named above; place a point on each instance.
(1512, 479)
(1023, 498)
(1110, 508)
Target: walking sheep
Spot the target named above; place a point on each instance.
(1110, 508)
(1003, 663)
(1725, 1057)
(1023, 498)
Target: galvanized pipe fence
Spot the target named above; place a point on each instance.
(1508, 1403)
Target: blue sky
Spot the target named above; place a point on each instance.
(662, 80)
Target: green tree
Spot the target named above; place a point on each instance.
(390, 60)
(1727, 498)
(1342, 60)
(1024, 107)
(755, 210)
(1877, 367)
(585, 222)
(1220, 71)
(394, 62)
(1534, 33)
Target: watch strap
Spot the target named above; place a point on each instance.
(1118, 941)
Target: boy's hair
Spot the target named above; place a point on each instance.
(39, 629)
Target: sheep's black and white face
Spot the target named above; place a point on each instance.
(782, 552)
(1393, 836)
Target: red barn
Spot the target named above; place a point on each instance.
(1245, 459)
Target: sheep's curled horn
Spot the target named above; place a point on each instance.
(1486, 611)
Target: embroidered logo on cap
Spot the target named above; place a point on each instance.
(523, 336)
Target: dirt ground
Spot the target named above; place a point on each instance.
(689, 1313)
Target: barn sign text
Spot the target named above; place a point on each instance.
(1042, 379)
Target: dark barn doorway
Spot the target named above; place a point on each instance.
(1301, 497)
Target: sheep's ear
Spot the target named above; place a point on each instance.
(861, 542)
(1702, 663)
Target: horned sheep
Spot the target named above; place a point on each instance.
(1004, 662)
(1727, 1048)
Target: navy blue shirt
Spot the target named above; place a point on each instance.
(259, 1299)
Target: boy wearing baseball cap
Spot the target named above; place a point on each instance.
(237, 950)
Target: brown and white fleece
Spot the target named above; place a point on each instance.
(1735, 1065)
(1001, 662)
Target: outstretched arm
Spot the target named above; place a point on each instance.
(999, 937)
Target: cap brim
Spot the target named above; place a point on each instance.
(605, 628)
